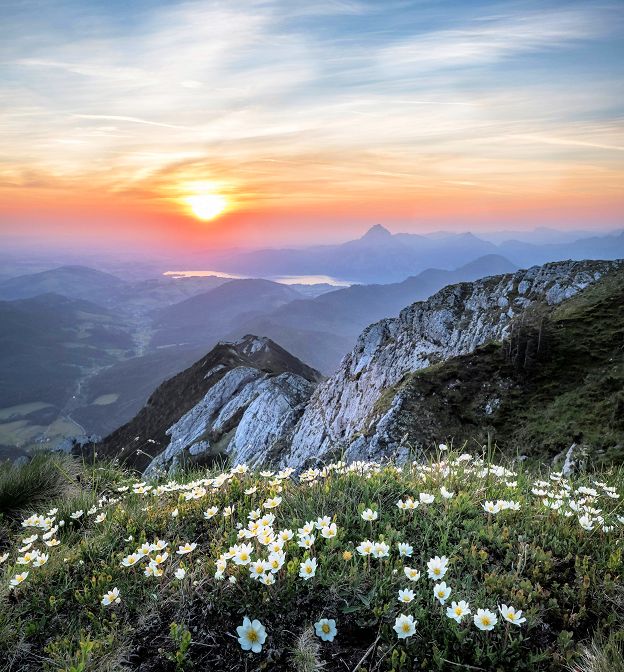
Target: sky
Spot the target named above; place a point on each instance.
(135, 123)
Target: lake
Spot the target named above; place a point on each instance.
(282, 279)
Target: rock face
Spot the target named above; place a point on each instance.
(248, 416)
(242, 400)
(350, 413)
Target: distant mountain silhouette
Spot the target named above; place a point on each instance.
(208, 317)
(382, 257)
(321, 330)
(76, 282)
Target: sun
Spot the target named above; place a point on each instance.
(206, 206)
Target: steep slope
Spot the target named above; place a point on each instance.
(322, 330)
(76, 282)
(347, 411)
(251, 379)
(557, 380)
(208, 317)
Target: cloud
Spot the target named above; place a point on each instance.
(491, 39)
(282, 101)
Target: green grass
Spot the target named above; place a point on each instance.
(565, 579)
(44, 478)
(572, 391)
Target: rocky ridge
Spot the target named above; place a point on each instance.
(242, 399)
(344, 413)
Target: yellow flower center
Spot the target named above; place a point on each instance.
(405, 627)
(325, 628)
(252, 635)
(485, 620)
(458, 611)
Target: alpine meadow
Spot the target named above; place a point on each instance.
(311, 336)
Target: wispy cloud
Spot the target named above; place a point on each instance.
(283, 101)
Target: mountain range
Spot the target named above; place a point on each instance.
(381, 257)
(94, 366)
(534, 359)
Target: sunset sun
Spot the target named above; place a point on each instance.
(206, 206)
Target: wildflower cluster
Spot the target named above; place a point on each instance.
(454, 551)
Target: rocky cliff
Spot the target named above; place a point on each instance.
(241, 400)
(356, 410)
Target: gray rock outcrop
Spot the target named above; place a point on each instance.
(348, 414)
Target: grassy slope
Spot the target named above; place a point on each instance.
(566, 580)
(572, 392)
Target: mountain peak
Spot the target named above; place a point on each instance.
(377, 232)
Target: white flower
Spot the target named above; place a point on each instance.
(380, 550)
(458, 610)
(40, 560)
(511, 615)
(258, 568)
(411, 573)
(112, 597)
(426, 498)
(266, 579)
(406, 595)
(484, 619)
(76, 514)
(491, 507)
(209, 513)
(405, 550)
(441, 592)
(586, 522)
(325, 521)
(17, 579)
(144, 549)
(285, 535)
(276, 561)
(243, 555)
(325, 629)
(272, 502)
(365, 548)
(405, 626)
(437, 567)
(27, 558)
(153, 570)
(329, 532)
(52, 542)
(446, 494)
(306, 541)
(307, 569)
(369, 514)
(180, 573)
(175, 513)
(4, 557)
(186, 548)
(251, 635)
(131, 559)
